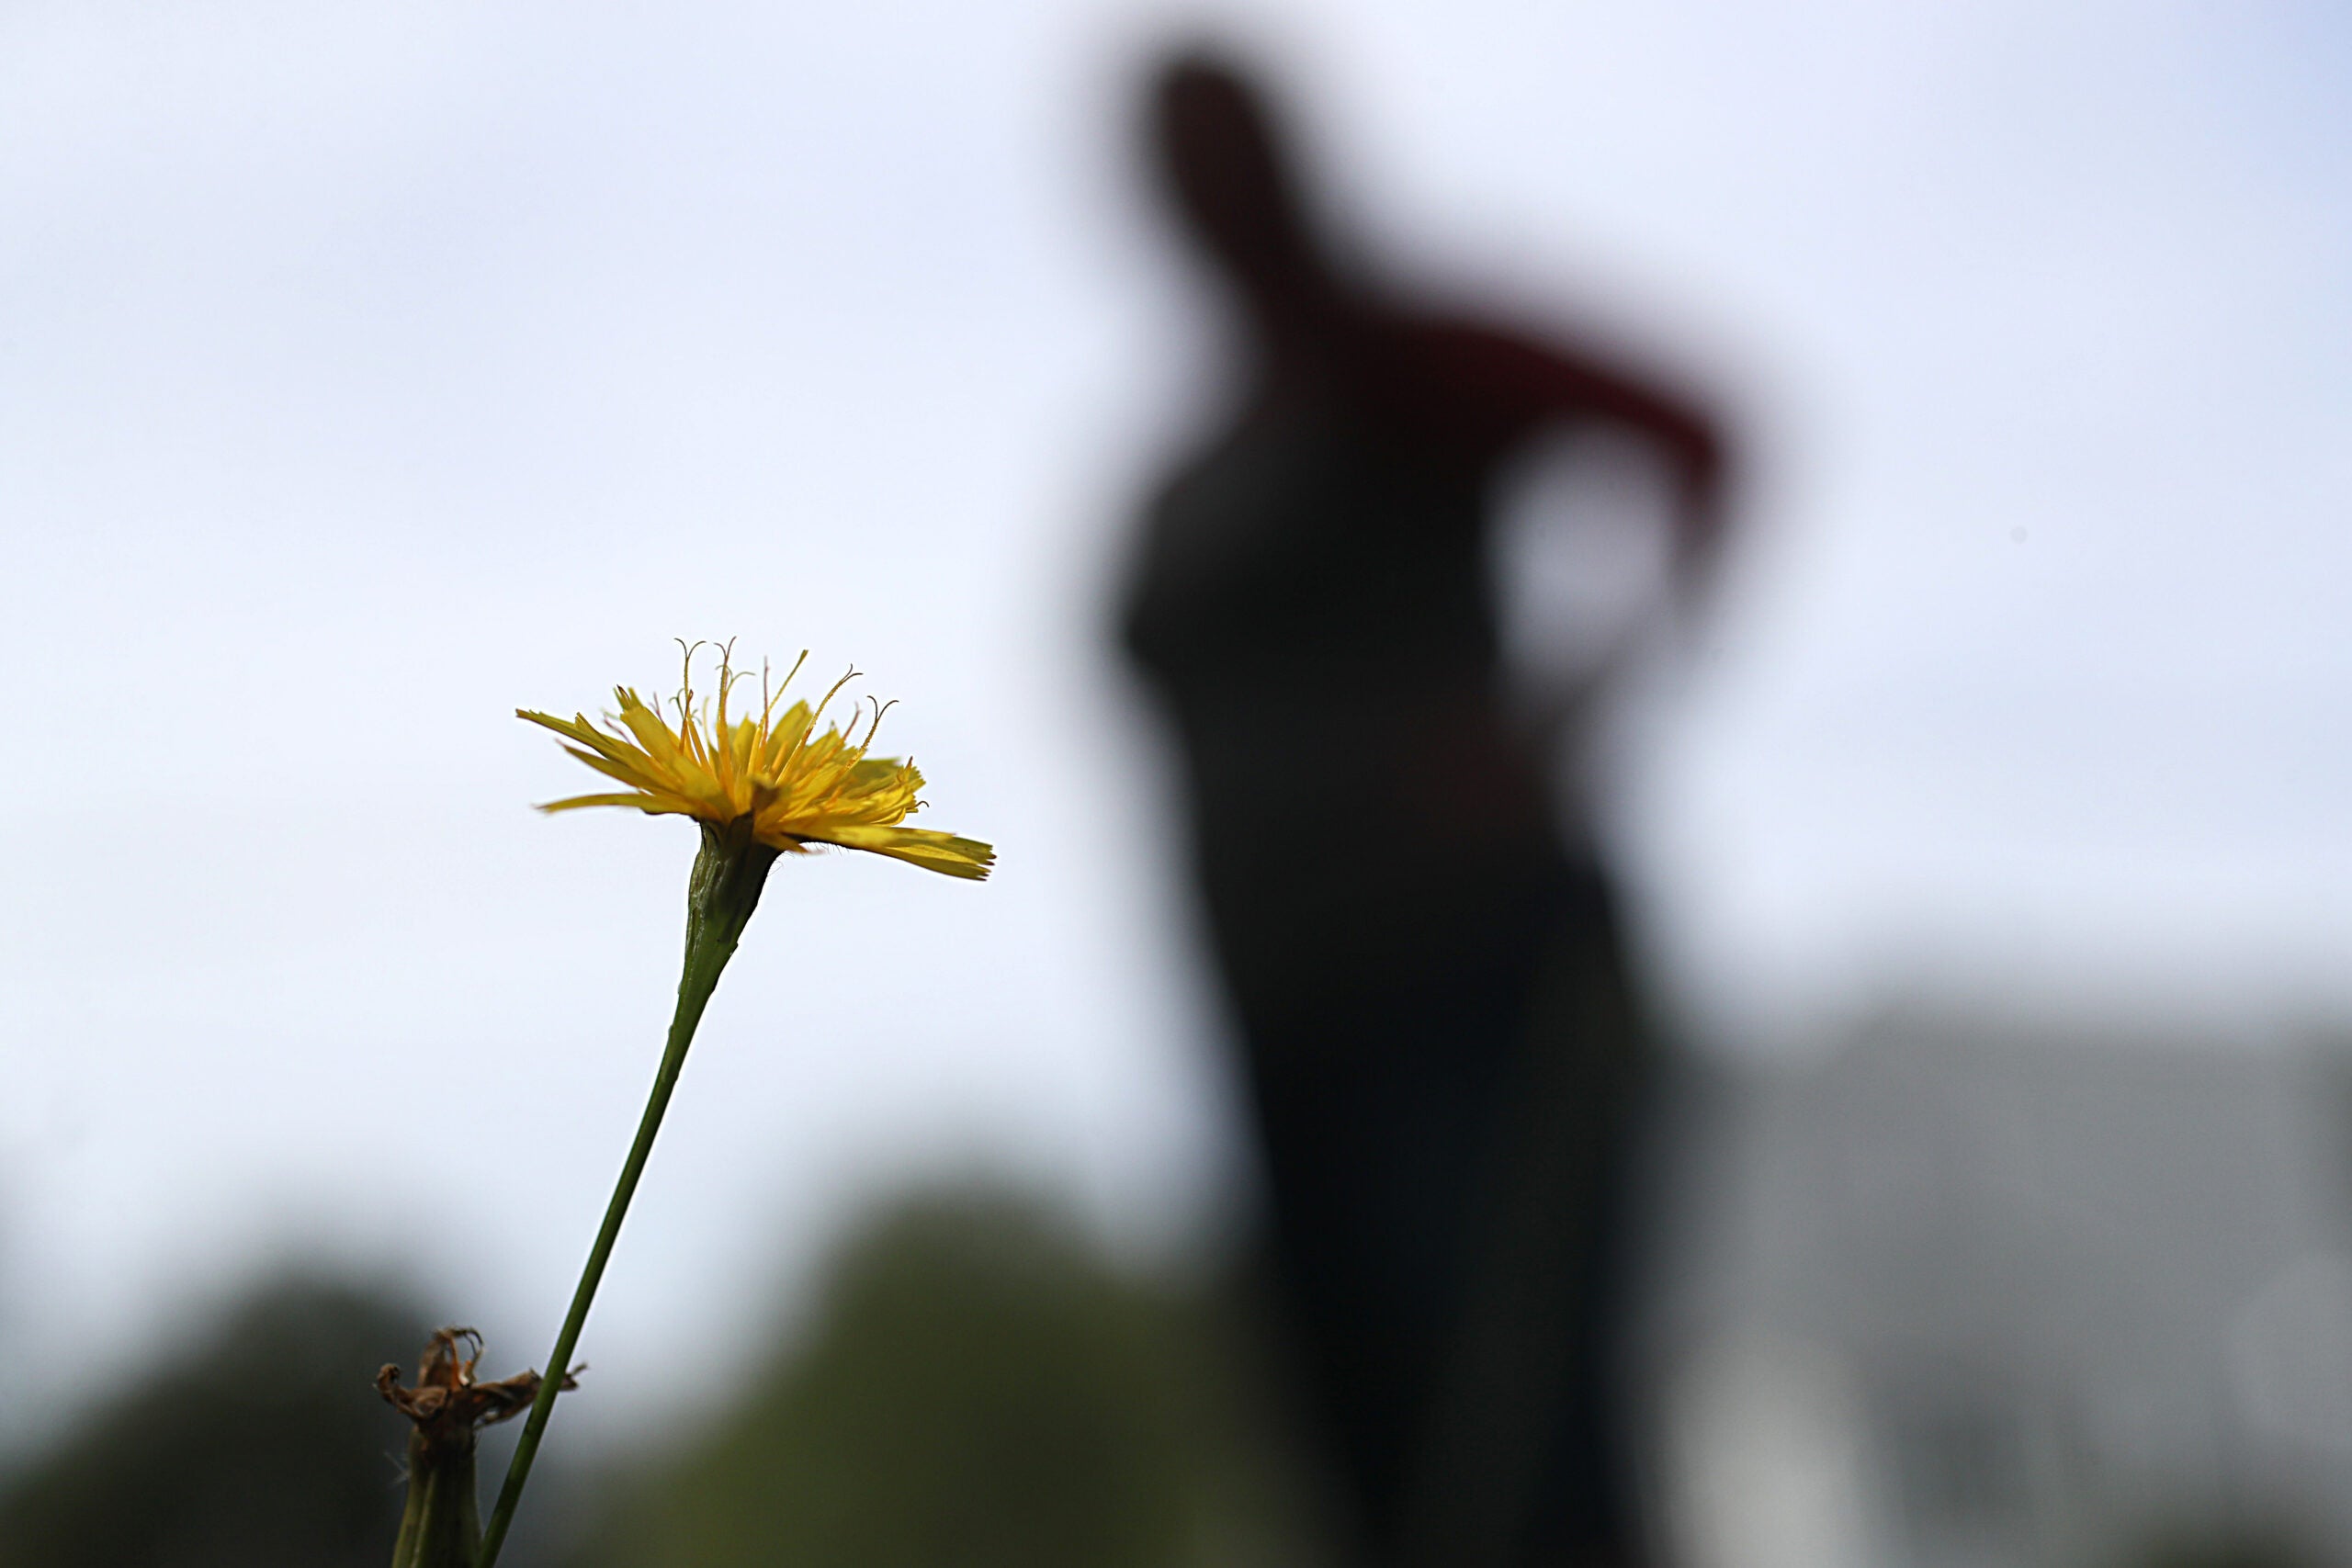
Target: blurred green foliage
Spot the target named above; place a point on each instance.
(979, 1389)
(2249, 1544)
(976, 1386)
(260, 1444)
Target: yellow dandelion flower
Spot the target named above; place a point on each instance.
(787, 785)
(760, 789)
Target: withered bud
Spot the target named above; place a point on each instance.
(440, 1527)
(447, 1399)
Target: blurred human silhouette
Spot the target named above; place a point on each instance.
(1445, 1062)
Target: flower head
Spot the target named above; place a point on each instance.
(790, 786)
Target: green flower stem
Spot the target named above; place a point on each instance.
(724, 889)
(439, 1528)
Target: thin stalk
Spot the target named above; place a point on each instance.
(439, 1528)
(720, 895)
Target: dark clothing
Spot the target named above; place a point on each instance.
(1441, 1054)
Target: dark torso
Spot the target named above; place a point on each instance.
(1390, 902)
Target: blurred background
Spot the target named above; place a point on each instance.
(368, 372)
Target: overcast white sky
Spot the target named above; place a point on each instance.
(368, 370)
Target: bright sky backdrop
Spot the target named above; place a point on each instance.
(368, 370)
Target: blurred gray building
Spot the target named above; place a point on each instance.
(1953, 1295)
